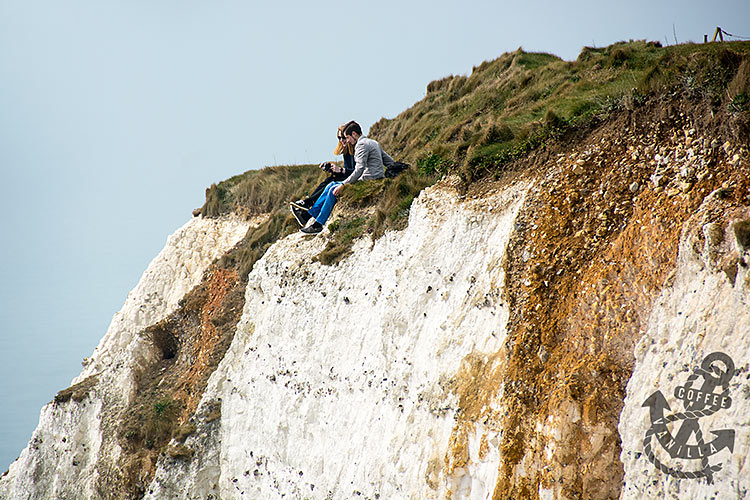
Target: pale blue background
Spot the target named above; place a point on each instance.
(116, 115)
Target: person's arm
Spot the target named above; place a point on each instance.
(360, 157)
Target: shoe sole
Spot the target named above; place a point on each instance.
(311, 232)
(299, 221)
(301, 207)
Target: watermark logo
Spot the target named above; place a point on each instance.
(717, 369)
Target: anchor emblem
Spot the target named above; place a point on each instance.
(698, 403)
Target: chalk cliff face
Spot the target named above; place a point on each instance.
(704, 310)
(75, 446)
(341, 380)
(501, 346)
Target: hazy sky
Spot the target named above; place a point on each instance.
(116, 115)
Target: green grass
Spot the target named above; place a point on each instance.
(266, 191)
(477, 125)
(162, 408)
(519, 101)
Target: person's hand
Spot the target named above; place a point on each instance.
(337, 189)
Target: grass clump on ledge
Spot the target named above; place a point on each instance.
(153, 421)
(260, 192)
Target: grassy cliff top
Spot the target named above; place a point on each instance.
(478, 125)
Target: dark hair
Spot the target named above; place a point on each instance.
(352, 126)
(340, 130)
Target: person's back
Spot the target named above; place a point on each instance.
(369, 161)
(369, 157)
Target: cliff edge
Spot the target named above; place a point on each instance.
(566, 319)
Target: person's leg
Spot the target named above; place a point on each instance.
(322, 208)
(310, 200)
(315, 209)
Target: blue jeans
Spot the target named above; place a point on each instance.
(322, 208)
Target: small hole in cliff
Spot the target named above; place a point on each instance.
(742, 233)
(165, 342)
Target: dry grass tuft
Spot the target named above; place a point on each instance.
(260, 191)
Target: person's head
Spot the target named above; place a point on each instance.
(340, 131)
(352, 131)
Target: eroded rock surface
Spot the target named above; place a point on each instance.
(502, 346)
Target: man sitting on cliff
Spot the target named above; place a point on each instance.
(369, 162)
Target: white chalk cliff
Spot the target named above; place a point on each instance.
(338, 379)
(703, 311)
(69, 449)
(369, 378)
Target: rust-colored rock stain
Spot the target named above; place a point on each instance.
(596, 242)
